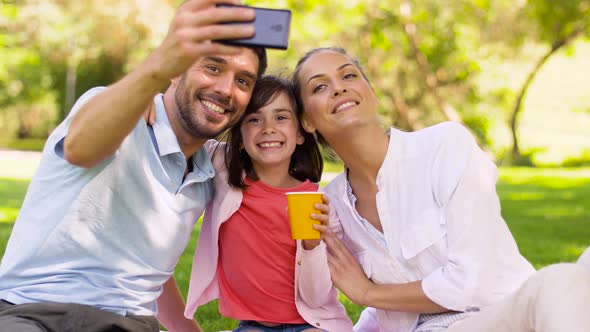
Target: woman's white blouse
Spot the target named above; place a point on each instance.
(441, 220)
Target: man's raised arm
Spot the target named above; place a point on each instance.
(101, 125)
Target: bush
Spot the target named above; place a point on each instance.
(582, 160)
(28, 122)
(526, 158)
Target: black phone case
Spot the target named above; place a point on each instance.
(272, 29)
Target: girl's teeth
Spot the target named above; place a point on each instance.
(213, 107)
(270, 145)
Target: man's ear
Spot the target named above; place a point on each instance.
(174, 81)
(306, 124)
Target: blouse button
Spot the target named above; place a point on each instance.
(299, 262)
(317, 324)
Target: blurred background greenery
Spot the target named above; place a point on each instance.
(516, 72)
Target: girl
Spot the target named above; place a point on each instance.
(245, 255)
(418, 234)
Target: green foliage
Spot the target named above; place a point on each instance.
(45, 42)
(333, 166)
(480, 127)
(557, 24)
(555, 20)
(582, 160)
(525, 159)
(95, 42)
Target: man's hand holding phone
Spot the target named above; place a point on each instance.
(271, 28)
(196, 24)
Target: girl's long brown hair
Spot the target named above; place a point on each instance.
(306, 161)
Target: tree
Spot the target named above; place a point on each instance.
(423, 57)
(54, 50)
(420, 67)
(557, 25)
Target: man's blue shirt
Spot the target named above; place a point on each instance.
(108, 236)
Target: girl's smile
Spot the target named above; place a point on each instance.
(271, 134)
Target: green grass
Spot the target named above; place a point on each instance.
(548, 212)
(12, 192)
(27, 144)
(546, 209)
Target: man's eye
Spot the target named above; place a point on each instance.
(243, 82)
(213, 69)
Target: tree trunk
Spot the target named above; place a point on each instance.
(71, 76)
(557, 45)
(432, 84)
(403, 111)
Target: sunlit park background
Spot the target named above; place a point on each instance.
(517, 73)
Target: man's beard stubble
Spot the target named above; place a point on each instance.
(189, 121)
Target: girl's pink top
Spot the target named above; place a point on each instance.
(256, 254)
(315, 297)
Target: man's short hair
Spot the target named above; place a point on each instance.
(262, 59)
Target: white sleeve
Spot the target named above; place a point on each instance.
(334, 224)
(585, 258)
(476, 233)
(61, 131)
(367, 321)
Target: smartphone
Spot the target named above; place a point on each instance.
(272, 28)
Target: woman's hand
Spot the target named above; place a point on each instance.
(323, 219)
(347, 274)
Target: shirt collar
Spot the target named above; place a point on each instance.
(202, 163)
(167, 143)
(165, 137)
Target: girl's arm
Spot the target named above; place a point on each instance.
(314, 283)
(323, 218)
(171, 310)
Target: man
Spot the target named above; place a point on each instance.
(114, 200)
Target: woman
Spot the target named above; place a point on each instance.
(423, 243)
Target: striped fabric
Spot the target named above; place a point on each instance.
(439, 322)
(375, 233)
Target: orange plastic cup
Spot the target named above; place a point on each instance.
(301, 206)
